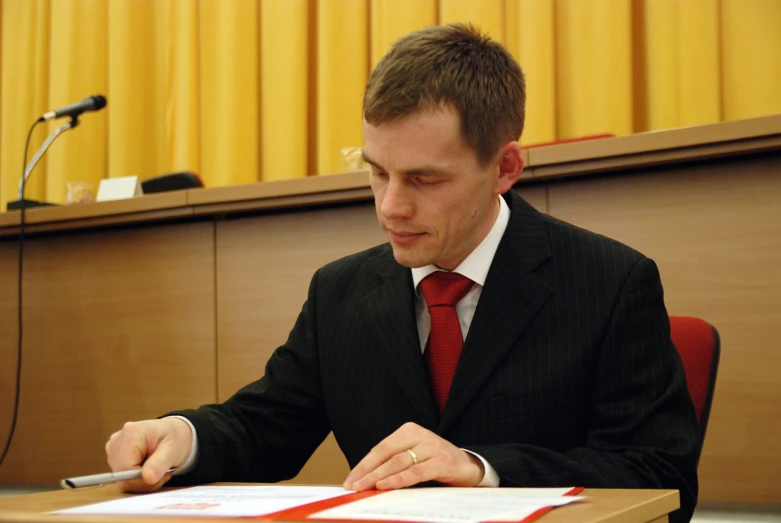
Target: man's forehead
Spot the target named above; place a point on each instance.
(446, 110)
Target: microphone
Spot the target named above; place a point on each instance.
(93, 103)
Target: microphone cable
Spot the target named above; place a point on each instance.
(15, 414)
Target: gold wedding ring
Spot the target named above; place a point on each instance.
(413, 456)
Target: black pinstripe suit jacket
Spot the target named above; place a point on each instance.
(567, 376)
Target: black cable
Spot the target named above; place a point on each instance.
(19, 298)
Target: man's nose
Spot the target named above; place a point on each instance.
(397, 202)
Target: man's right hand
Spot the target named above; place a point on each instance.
(155, 446)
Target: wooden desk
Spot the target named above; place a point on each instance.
(137, 307)
(603, 506)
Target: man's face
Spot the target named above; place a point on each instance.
(434, 200)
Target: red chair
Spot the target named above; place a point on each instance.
(699, 345)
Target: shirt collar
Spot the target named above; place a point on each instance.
(476, 265)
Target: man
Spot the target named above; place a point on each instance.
(486, 344)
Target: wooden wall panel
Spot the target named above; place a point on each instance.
(264, 266)
(119, 325)
(8, 335)
(715, 231)
(535, 194)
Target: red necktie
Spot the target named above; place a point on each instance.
(442, 291)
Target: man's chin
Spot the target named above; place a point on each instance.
(408, 259)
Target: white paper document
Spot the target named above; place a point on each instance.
(451, 505)
(229, 501)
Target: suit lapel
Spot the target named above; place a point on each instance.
(510, 299)
(390, 315)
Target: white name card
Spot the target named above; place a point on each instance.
(119, 188)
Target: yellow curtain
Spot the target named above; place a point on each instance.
(392, 19)
(78, 69)
(488, 15)
(229, 91)
(530, 35)
(751, 57)
(594, 67)
(246, 90)
(682, 62)
(24, 88)
(284, 88)
(136, 120)
(342, 71)
(180, 46)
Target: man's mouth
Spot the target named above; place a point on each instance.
(404, 237)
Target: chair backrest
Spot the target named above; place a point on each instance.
(698, 344)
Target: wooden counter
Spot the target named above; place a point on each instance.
(136, 307)
(543, 164)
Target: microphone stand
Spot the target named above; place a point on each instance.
(21, 202)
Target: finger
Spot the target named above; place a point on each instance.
(157, 465)
(413, 475)
(139, 485)
(408, 436)
(126, 449)
(396, 464)
(445, 464)
(110, 444)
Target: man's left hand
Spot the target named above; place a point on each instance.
(391, 465)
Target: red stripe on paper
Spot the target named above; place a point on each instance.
(305, 511)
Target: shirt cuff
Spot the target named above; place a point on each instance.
(189, 463)
(491, 478)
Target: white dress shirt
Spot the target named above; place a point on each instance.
(475, 267)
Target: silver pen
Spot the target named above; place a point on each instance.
(95, 480)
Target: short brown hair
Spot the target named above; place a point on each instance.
(451, 64)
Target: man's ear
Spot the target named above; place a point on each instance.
(510, 167)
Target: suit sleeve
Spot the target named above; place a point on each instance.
(643, 430)
(267, 430)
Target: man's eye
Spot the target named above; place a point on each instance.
(427, 183)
